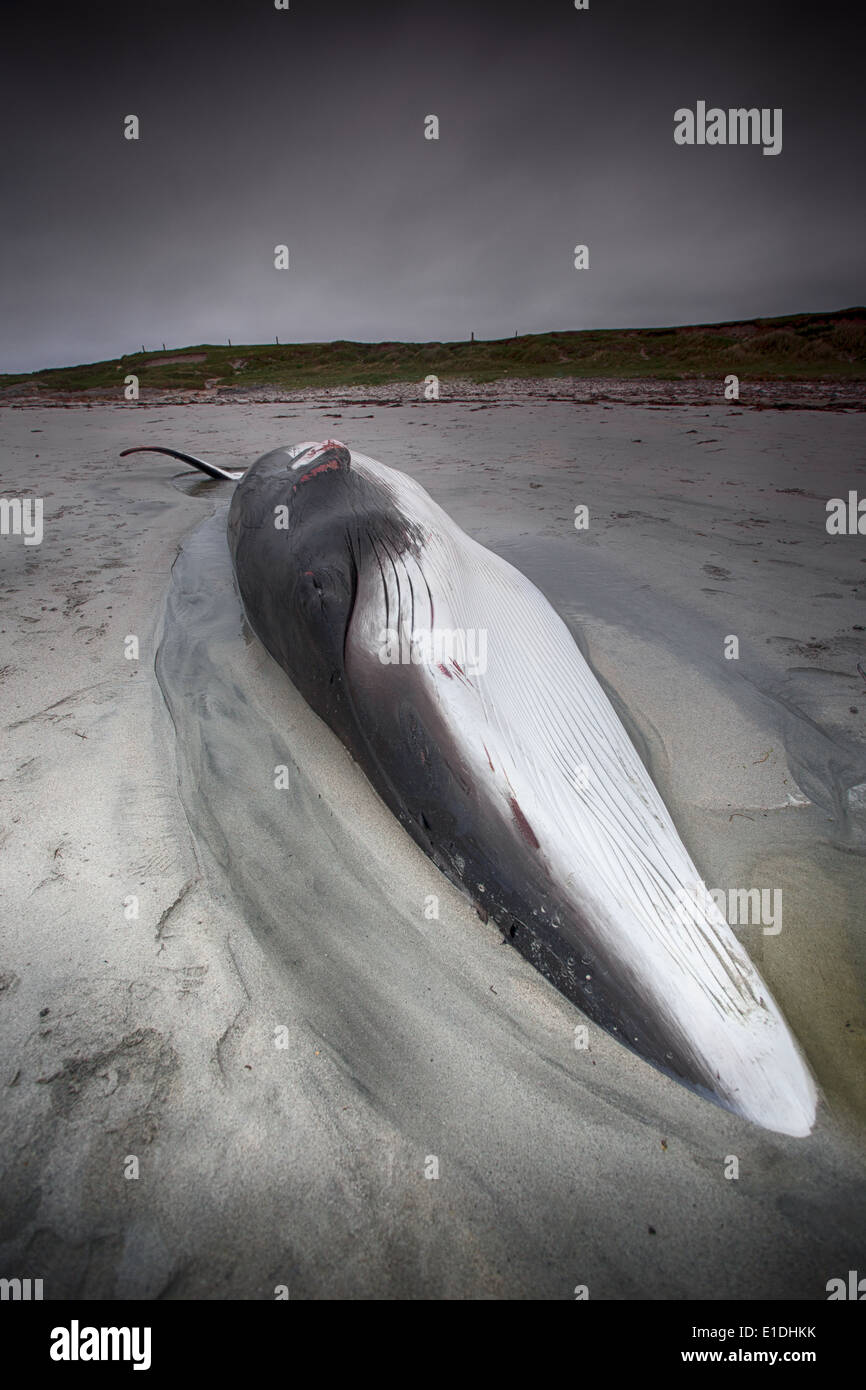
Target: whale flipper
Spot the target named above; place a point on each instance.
(210, 468)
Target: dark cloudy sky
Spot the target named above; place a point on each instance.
(261, 126)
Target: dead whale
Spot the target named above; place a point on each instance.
(465, 700)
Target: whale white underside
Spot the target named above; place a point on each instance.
(535, 727)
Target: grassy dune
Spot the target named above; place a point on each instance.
(799, 347)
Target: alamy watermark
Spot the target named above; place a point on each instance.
(77, 1343)
(736, 126)
(456, 652)
(846, 518)
(739, 906)
(854, 1288)
(20, 1290)
(22, 516)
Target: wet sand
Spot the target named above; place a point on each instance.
(303, 909)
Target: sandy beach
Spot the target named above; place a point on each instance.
(237, 986)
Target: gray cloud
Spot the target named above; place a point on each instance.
(306, 127)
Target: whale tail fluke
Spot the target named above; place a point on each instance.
(210, 468)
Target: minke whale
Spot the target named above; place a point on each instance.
(463, 697)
